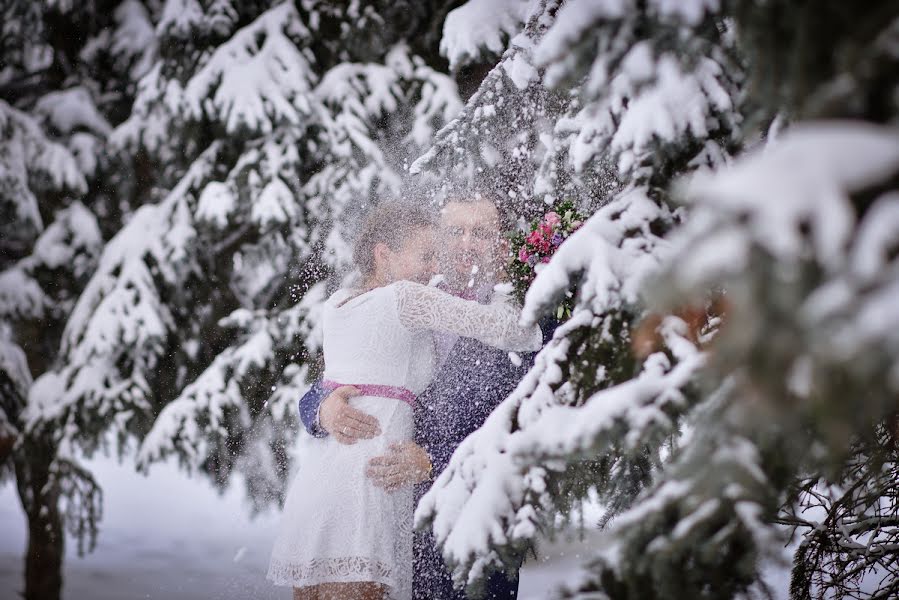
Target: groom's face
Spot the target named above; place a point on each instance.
(473, 247)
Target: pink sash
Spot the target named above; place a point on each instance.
(370, 389)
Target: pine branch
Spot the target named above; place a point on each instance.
(23, 86)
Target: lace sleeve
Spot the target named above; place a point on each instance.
(496, 324)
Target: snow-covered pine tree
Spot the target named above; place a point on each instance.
(801, 236)
(65, 76)
(700, 432)
(613, 143)
(264, 128)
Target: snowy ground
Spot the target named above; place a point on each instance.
(162, 536)
(167, 536)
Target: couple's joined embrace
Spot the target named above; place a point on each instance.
(347, 523)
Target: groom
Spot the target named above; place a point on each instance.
(471, 380)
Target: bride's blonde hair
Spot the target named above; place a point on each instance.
(387, 223)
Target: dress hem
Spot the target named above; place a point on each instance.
(351, 569)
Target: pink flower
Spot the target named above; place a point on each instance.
(539, 240)
(535, 237)
(546, 230)
(545, 259)
(523, 255)
(552, 218)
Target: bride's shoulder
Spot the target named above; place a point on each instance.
(341, 295)
(345, 297)
(404, 284)
(350, 298)
(406, 287)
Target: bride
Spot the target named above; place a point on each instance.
(341, 537)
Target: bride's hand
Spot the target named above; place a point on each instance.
(405, 463)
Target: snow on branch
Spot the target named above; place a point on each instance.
(259, 78)
(133, 42)
(119, 327)
(500, 487)
(789, 198)
(578, 20)
(810, 213)
(677, 106)
(179, 18)
(437, 97)
(72, 241)
(497, 142)
(710, 509)
(644, 102)
(209, 408)
(637, 407)
(850, 528)
(158, 106)
(255, 195)
(71, 245)
(481, 27)
(28, 158)
(14, 369)
(211, 412)
(21, 296)
(573, 23)
(608, 259)
(71, 109)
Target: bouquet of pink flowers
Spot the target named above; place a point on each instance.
(536, 246)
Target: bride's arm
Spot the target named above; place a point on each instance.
(495, 324)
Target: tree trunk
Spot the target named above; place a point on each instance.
(39, 495)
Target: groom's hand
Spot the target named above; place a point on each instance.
(347, 424)
(404, 464)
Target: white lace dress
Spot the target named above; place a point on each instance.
(336, 526)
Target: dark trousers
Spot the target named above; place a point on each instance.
(431, 581)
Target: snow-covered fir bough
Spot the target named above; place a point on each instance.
(728, 375)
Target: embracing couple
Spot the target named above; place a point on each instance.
(410, 370)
